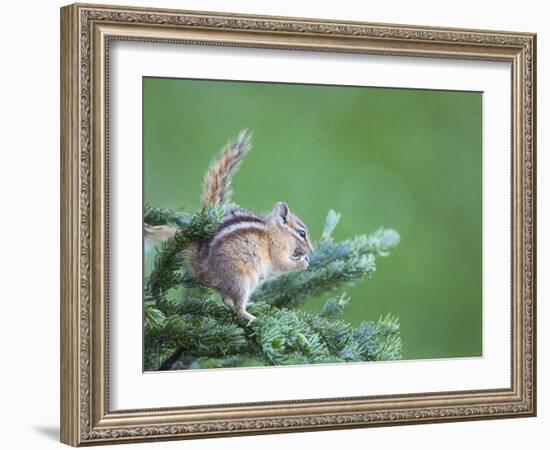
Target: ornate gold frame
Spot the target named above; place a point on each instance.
(86, 31)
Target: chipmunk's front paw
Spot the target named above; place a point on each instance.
(301, 260)
(303, 263)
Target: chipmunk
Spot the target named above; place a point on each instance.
(247, 249)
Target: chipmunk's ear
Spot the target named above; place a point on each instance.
(280, 212)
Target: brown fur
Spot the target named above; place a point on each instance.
(247, 249)
(217, 183)
(247, 253)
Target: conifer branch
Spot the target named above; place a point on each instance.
(170, 256)
(197, 330)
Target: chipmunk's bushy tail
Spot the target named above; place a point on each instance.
(216, 189)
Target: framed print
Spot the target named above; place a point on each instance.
(277, 224)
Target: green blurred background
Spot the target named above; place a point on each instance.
(401, 158)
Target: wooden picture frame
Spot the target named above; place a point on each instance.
(86, 34)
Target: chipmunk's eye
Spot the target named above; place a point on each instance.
(302, 233)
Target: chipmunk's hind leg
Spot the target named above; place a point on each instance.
(240, 303)
(241, 311)
(246, 315)
(234, 281)
(228, 301)
(237, 302)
